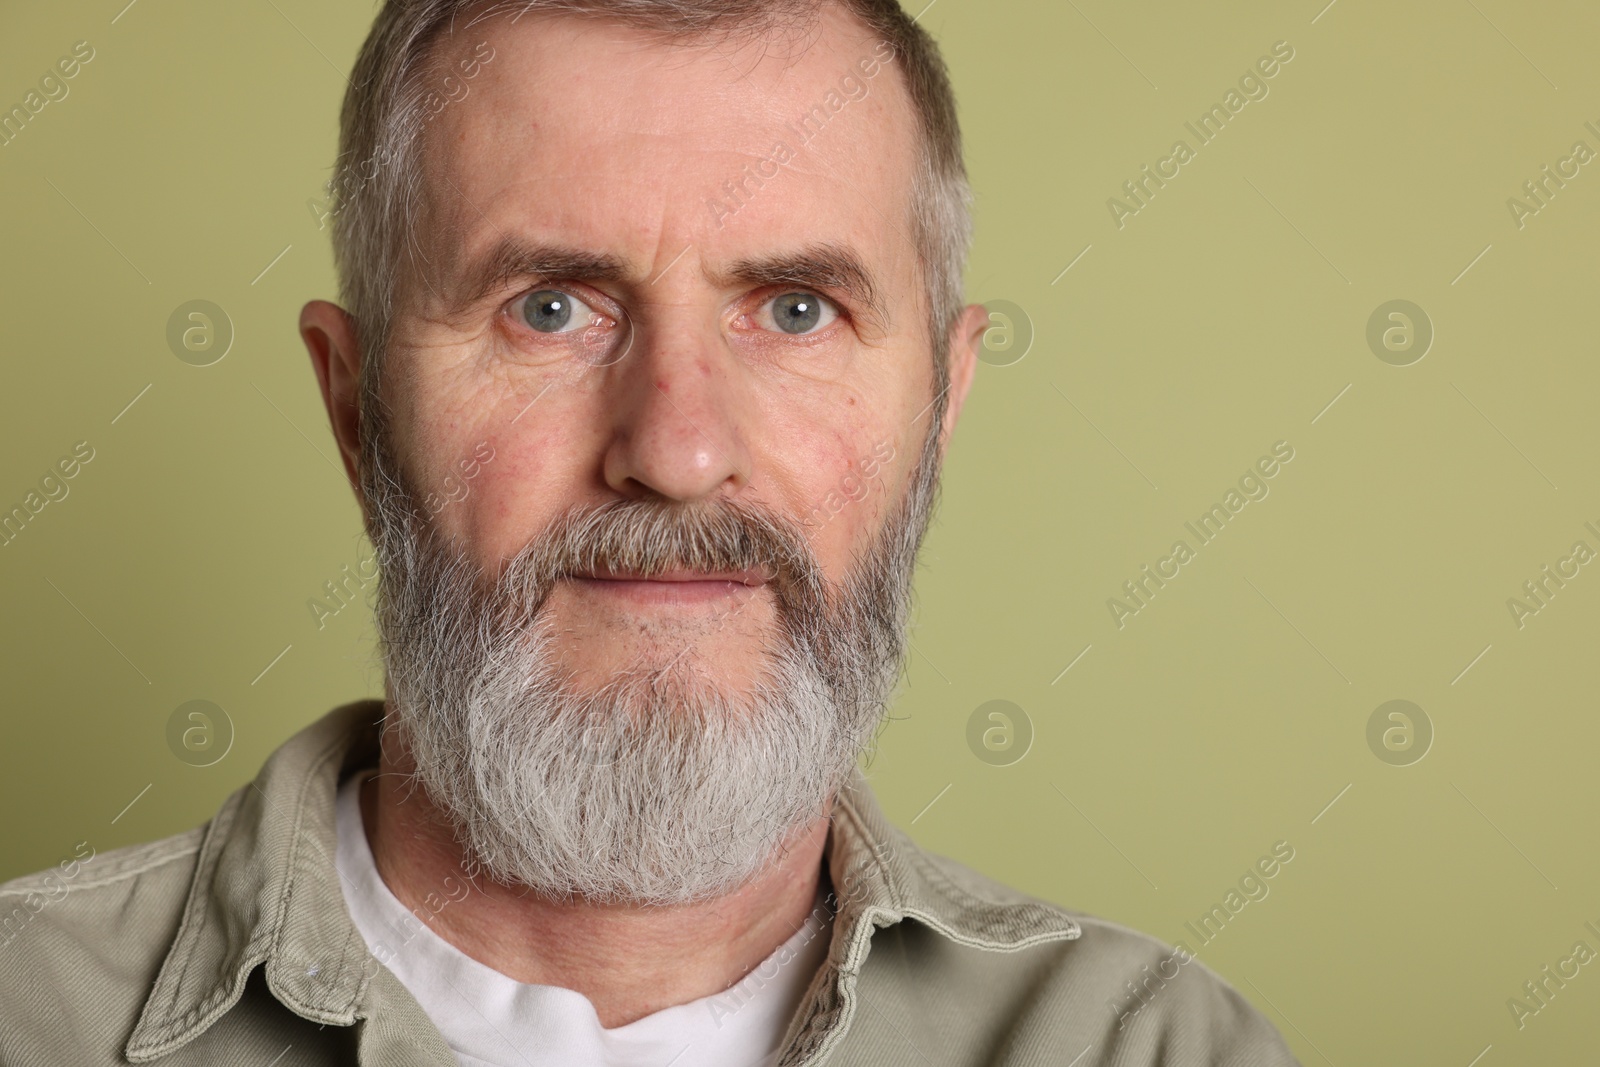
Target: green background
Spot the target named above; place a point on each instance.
(1223, 317)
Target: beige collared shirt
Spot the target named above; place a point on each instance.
(231, 944)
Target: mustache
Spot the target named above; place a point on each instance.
(649, 537)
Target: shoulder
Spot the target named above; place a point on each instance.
(1101, 986)
(87, 892)
(81, 943)
(1160, 993)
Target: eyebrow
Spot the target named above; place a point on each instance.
(821, 265)
(512, 260)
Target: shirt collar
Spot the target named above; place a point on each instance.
(880, 878)
(265, 890)
(878, 872)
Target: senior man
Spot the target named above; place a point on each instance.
(651, 349)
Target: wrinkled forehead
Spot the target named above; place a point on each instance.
(595, 134)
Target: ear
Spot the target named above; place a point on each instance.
(965, 342)
(330, 336)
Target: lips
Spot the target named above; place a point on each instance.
(752, 577)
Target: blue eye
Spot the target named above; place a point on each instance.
(798, 312)
(554, 311)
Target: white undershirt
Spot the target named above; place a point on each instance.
(491, 1020)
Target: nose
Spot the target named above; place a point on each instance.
(678, 413)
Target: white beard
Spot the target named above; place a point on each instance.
(659, 787)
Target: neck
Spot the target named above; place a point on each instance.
(628, 960)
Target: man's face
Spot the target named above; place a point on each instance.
(657, 443)
(713, 336)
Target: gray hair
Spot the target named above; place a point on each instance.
(377, 183)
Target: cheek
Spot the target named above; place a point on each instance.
(530, 480)
(435, 403)
(845, 489)
(454, 415)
